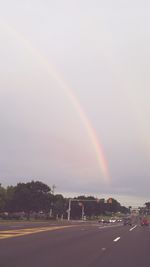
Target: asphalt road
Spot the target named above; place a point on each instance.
(80, 245)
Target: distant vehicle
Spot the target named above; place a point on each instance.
(104, 221)
(144, 222)
(112, 220)
(119, 220)
(127, 221)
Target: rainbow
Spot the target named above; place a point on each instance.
(74, 100)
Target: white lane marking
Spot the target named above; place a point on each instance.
(117, 239)
(133, 228)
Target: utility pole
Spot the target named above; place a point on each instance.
(53, 188)
(69, 209)
(51, 210)
(51, 207)
(82, 212)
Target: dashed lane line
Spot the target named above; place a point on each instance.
(117, 239)
(28, 231)
(133, 228)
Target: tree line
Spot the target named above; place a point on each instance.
(37, 199)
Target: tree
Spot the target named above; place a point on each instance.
(112, 205)
(2, 198)
(10, 190)
(32, 197)
(36, 196)
(59, 207)
(147, 204)
(91, 206)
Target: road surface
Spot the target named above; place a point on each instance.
(79, 245)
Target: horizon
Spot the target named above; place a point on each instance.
(122, 199)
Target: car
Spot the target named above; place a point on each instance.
(144, 222)
(112, 220)
(104, 221)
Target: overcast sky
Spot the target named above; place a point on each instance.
(101, 49)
